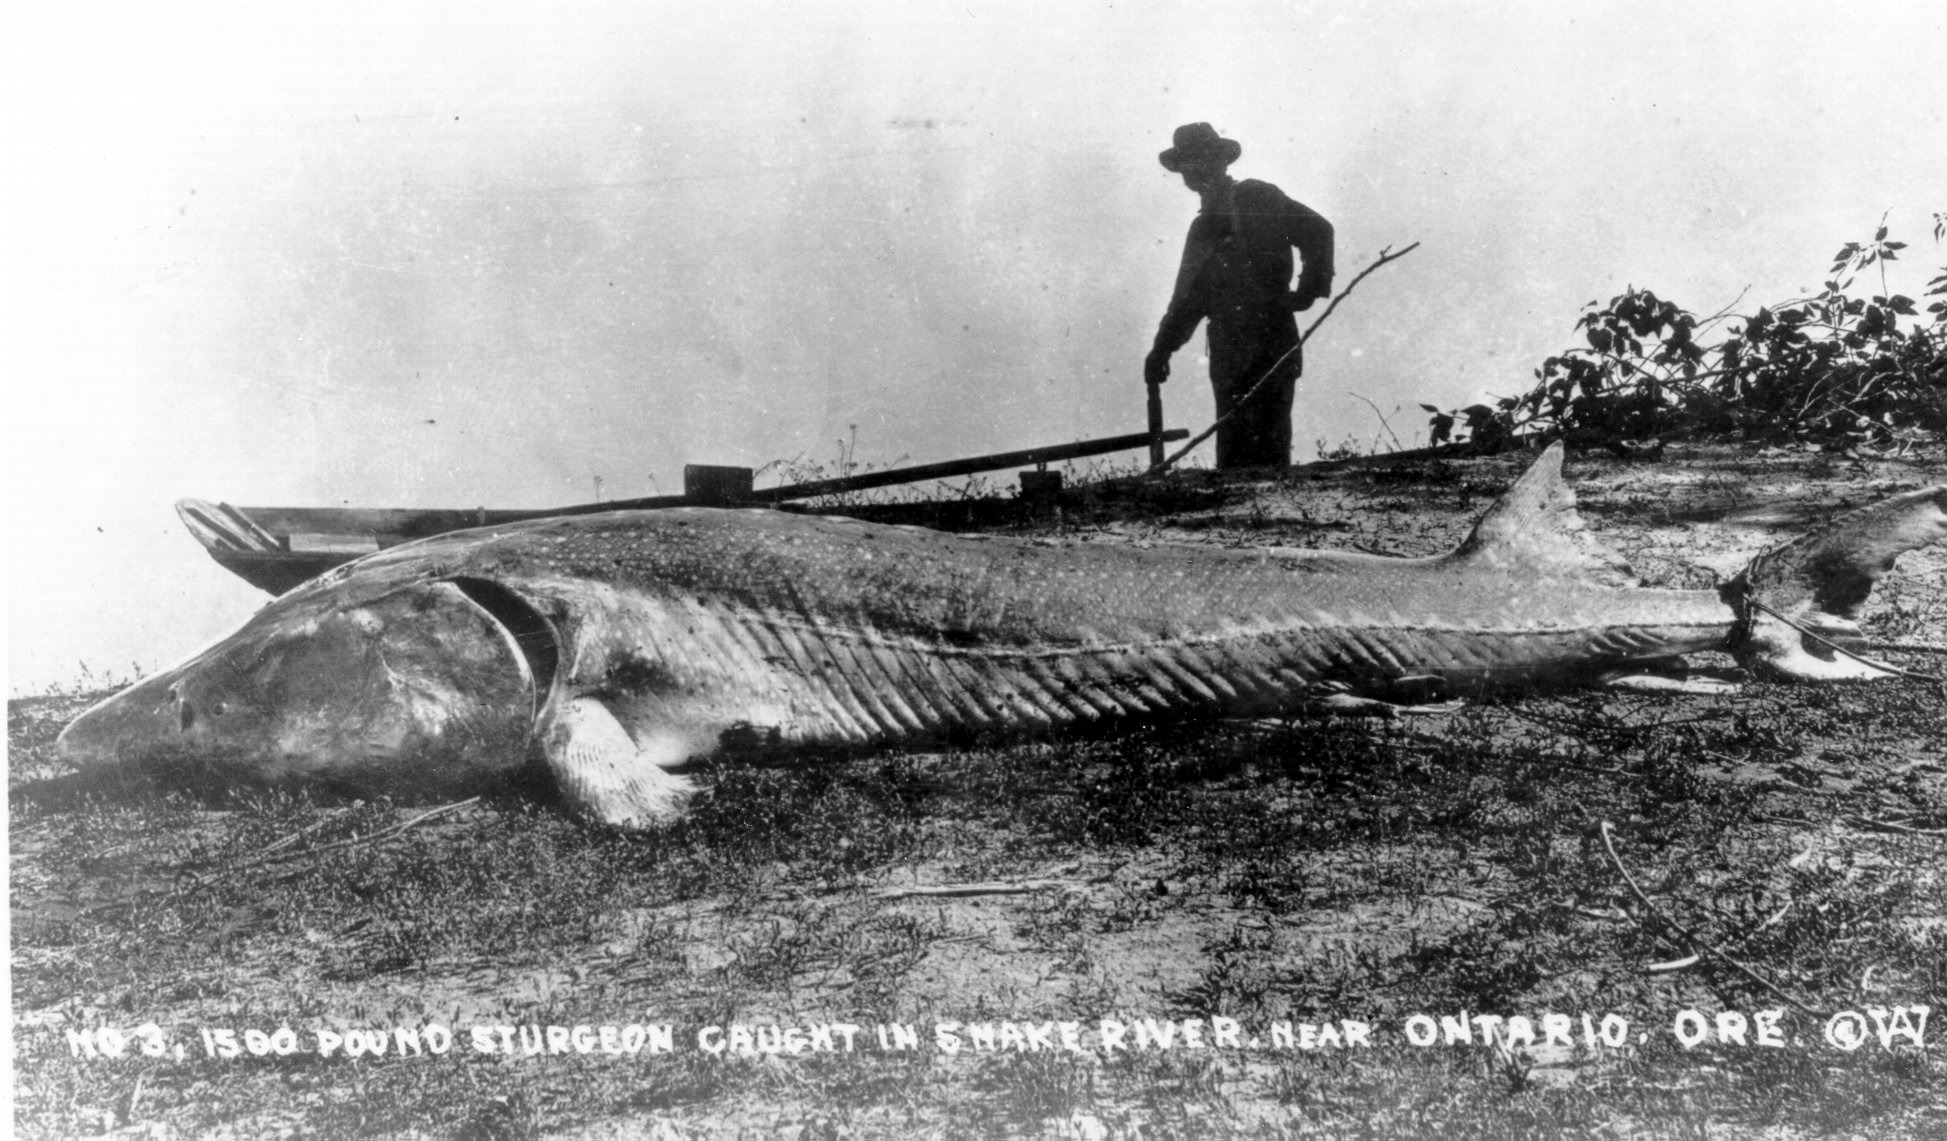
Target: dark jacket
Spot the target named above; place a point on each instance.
(1236, 272)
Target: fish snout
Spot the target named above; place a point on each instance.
(134, 725)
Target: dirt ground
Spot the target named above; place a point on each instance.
(1325, 891)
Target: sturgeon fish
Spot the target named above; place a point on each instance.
(619, 646)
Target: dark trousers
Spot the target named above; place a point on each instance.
(1258, 433)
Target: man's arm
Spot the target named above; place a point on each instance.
(1185, 310)
(1307, 229)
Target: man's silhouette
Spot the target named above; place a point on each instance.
(1236, 274)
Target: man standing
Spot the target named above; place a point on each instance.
(1236, 274)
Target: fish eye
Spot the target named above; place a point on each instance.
(220, 708)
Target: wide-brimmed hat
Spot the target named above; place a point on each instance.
(1198, 141)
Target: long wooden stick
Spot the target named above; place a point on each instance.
(1697, 945)
(1155, 423)
(267, 857)
(1385, 255)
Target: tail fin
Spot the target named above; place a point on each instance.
(1818, 584)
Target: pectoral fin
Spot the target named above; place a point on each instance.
(603, 770)
(1336, 700)
(1664, 683)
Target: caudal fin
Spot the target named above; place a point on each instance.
(1794, 602)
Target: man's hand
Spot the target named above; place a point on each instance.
(1156, 367)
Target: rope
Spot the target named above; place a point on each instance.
(1837, 648)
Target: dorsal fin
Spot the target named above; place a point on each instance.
(1535, 529)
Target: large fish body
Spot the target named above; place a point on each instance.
(617, 647)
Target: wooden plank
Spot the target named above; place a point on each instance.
(715, 485)
(950, 468)
(303, 542)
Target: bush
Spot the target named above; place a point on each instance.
(1837, 369)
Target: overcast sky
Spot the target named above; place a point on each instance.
(488, 253)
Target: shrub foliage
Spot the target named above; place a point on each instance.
(1842, 368)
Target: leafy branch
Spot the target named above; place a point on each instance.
(1835, 368)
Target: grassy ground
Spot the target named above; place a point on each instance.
(1787, 843)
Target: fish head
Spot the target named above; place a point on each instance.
(410, 688)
